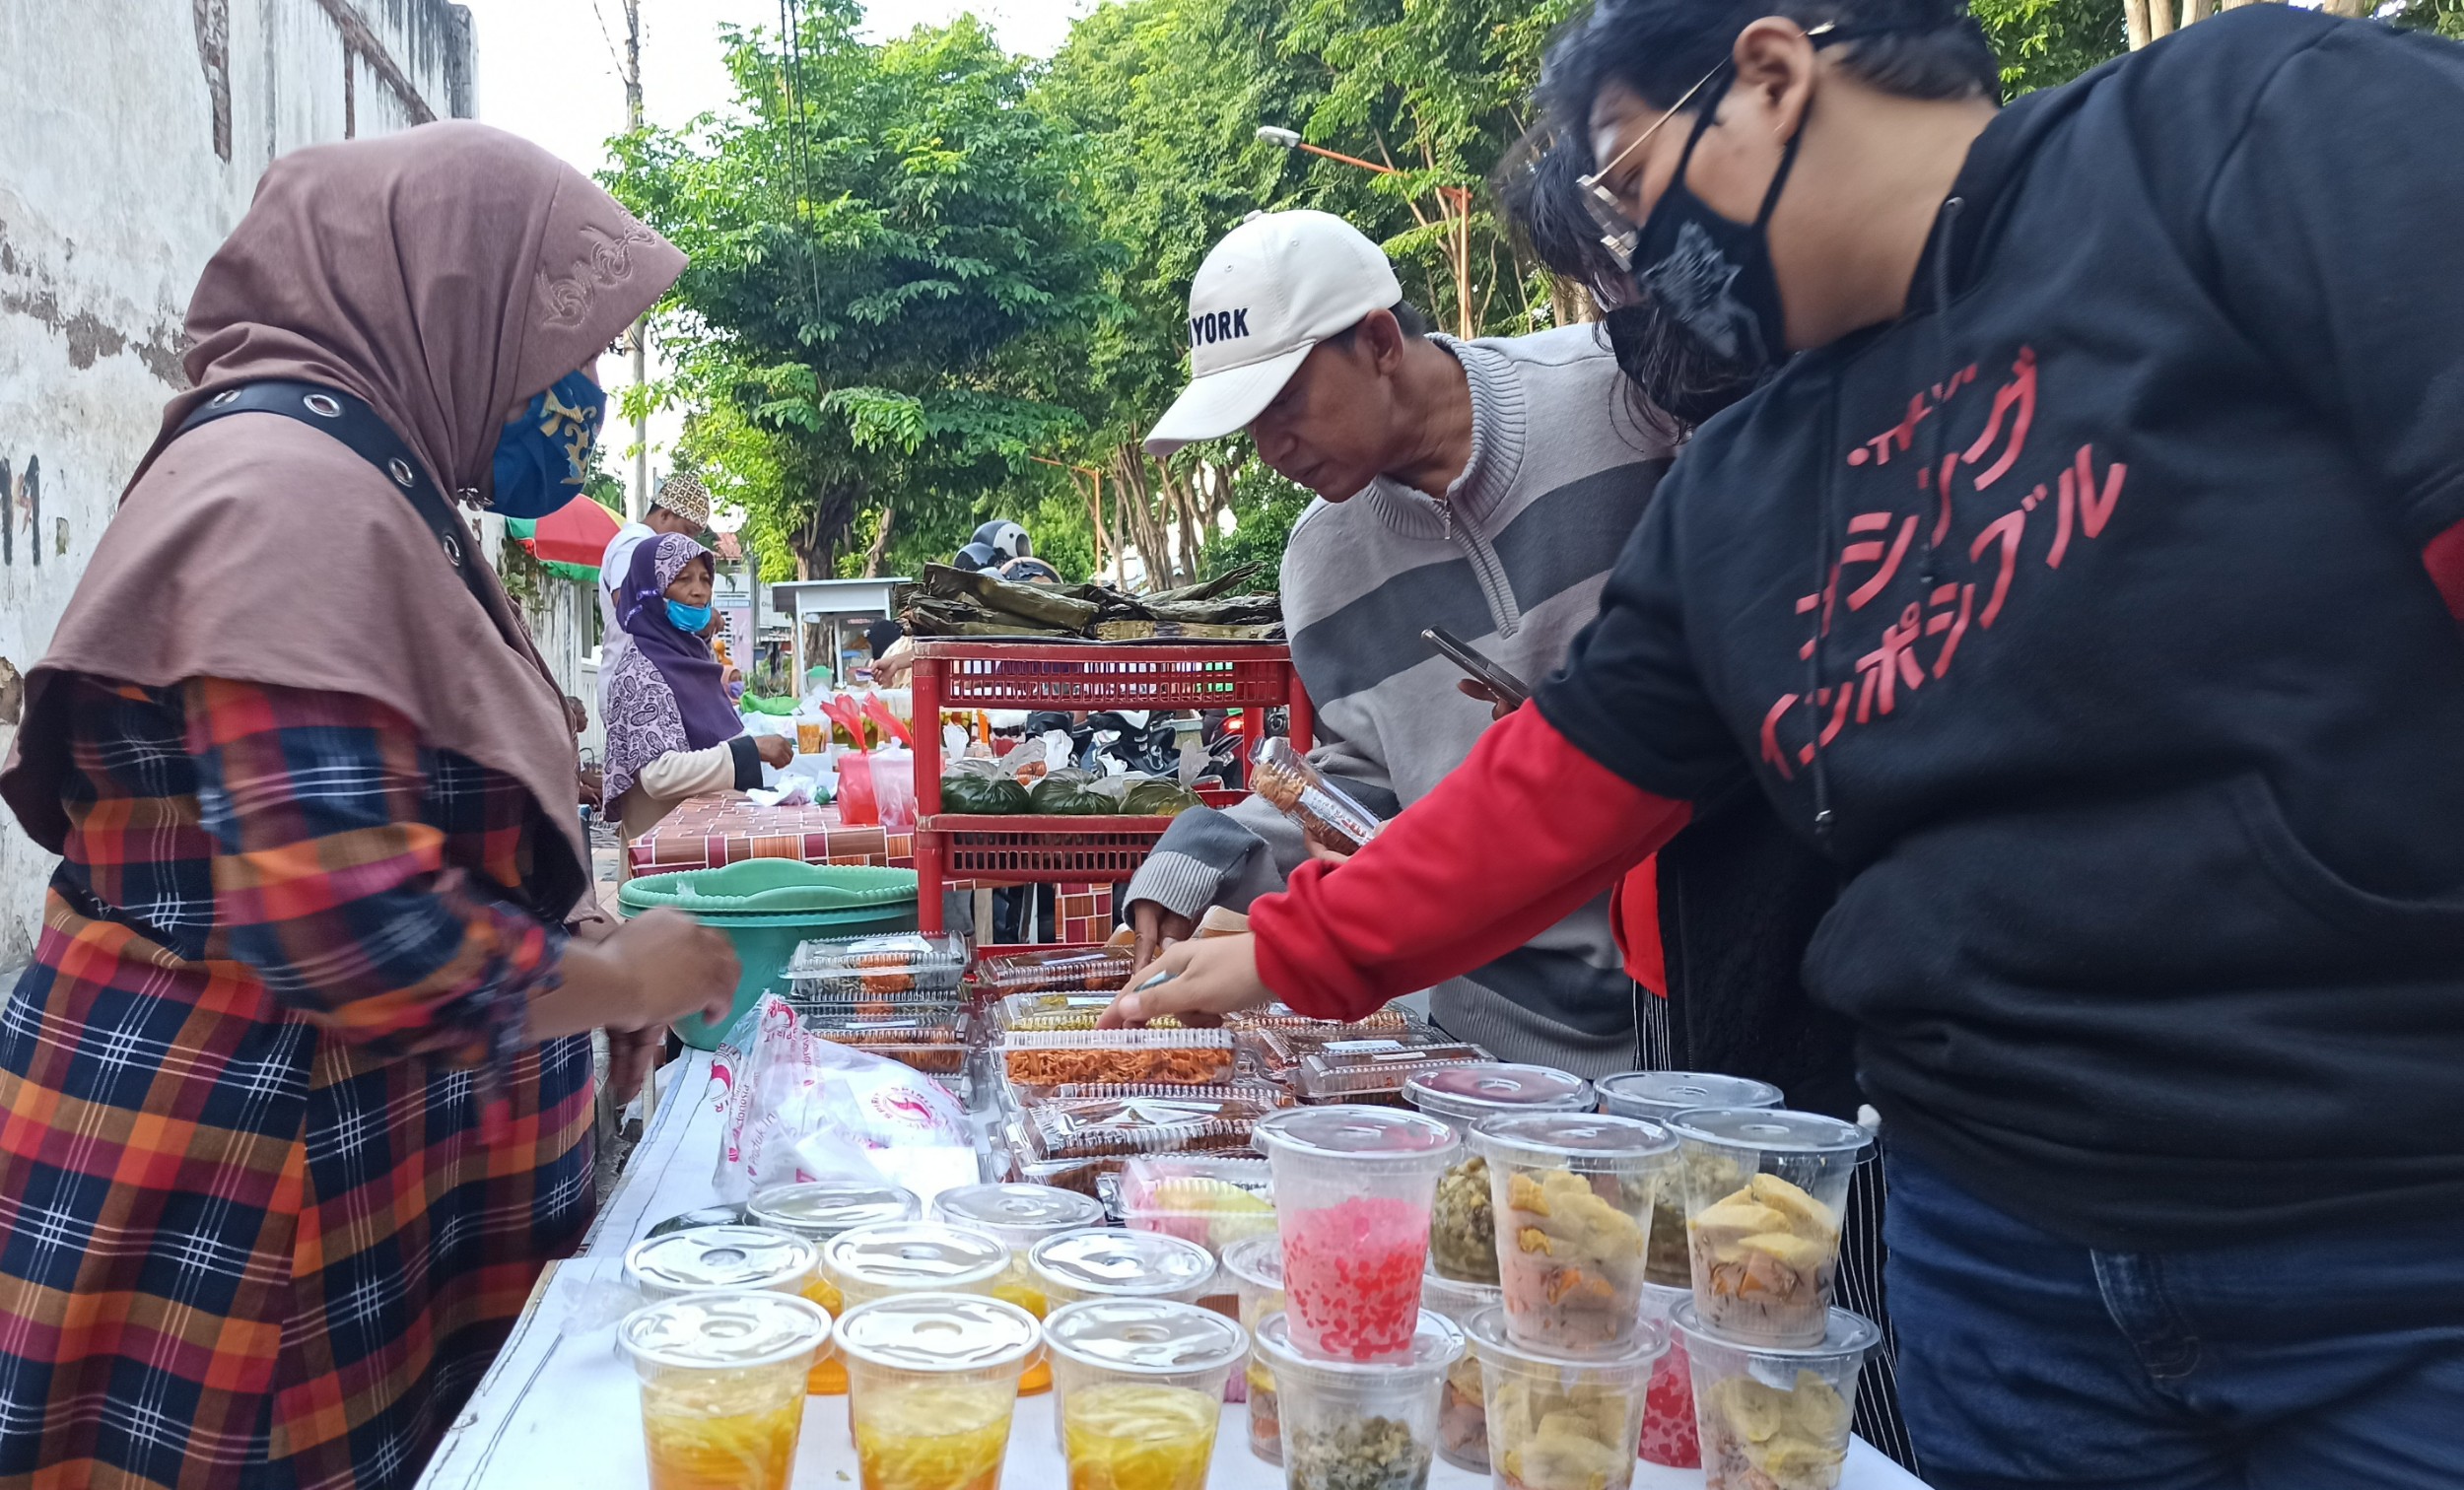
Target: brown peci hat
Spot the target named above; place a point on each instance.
(686, 497)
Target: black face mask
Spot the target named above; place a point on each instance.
(1680, 375)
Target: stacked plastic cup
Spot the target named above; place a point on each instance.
(1461, 1410)
(932, 1383)
(1658, 1097)
(1573, 1196)
(1020, 1215)
(751, 1258)
(1139, 1388)
(1354, 1188)
(1256, 1264)
(1103, 1262)
(723, 1386)
(1669, 1436)
(1463, 1234)
(1559, 1418)
(1775, 1414)
(1367, 1423)
(819, 1210)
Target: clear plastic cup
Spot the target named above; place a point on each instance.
(1360, 1425)
(1020, 1215)
(1463, 1230)
(1353, 1187)
(723, 1386)
(1764, 1189)
(874, 1262)
(1463, 1404)
(1657, 1097)
(1669, 1407)
(702, 1257)
(1257, 1268)
(1140, 1384)
(1100, 1263)
(932, 1382)
(1559, 1421)
(1573, 1195)
(1770, 1415)
(819, 1210)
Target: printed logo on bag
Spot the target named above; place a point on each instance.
(1218, 326)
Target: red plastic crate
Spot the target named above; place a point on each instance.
(1044, 849)
(1007, 675)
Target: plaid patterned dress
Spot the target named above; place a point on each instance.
(276, 1172)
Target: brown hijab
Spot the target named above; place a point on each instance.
(445, 275)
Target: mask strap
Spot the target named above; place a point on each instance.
(1779, 178)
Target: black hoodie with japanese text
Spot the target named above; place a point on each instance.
(2082, 617)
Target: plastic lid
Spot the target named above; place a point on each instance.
(1145, 1336)
(1484, 1088)
(724, 1329)
(823, 1209)
(1455, 1298)
(1844, 1333)
(937, 1331)
(1018, 1214)
(1771, 1129)
(1257, 1261)
(1435, 1345)
(1584, 1142)
(905, 1256)
(1488, 1330)
(1358, 1134)
(1665, 1094)
(1121, 1264)
(720, 1257)
(893, 952)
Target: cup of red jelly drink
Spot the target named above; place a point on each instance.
(1669, 1436)
(1353, 1187)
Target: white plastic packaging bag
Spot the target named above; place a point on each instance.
(798, 1107)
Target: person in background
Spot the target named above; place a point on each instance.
(892, 655)
(1481, 487)
(681, 506)
(672, 730)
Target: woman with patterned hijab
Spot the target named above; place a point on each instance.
(296, 1099)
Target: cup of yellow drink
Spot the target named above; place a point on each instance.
(1104, 1262)
(1020, 1215)
(745, 1259)
(1139, 1387)
(1256, 1264)
(723, 1386)
(819, 1210)
(933, 1381)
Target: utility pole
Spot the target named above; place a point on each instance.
(639, 501)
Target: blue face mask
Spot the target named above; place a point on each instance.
(692, 620)
(543, 453)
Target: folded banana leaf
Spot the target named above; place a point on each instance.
(1071, 794)
(1231, 610)
(1034, 601)
(980, 793)
(1158, 799)
(1222, 584)
(1192, 631)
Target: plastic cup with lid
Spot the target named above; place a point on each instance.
(1461, 1410)
(1256, 1266)
(705, 1257)
(1764, 1193)
(1353, 1187)
(722, 1385)
(883, 1257)
(1360, 1422)
(932, 1382)
(1463, 1232)
(1139, 1387)
(1769, 1414)
(1659, 1096)
(818, 1210)
(1562, 1420)
(1572, 1193)
(1669, 1407)
(1101, 1262)
(1020, 1215)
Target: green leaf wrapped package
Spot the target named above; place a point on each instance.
(983, 794)
(1071, 794)
(1158, 799)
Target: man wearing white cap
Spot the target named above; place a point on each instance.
(1478, 487)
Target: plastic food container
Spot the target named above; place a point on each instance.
(703, 1257)
(1463, 1402)
(1353, 1187)
(1558, 1421)
(1275, 1047)
(1210, 1199)
(931, 1043)
(1140, 1384)
(723, 1386)
(1657, 1097)
(1764, 1189)
(874, 1262)
(1100, 1263)
(1074, 969)
(1036, 1062)
(1669, 1407)
(1572, 1193)
(1359, 1425)
(1054, 1014)
(1094, 1127)
(878, 974)
(1324, 811)
(1256, 1266)
(1463, 1230)
(1020, 1215)
(1375, 1070)
(933, 1381)
(818, 1210)
(1773, 1416)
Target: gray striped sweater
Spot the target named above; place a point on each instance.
(1513, 562)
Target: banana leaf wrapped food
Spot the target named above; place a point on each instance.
(982, 788)
(1071, 794)
(952, 602)
(1158, 799)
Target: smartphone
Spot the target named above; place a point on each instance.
(1487, 674)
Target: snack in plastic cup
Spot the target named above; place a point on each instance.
(1573, 1196)
(1020, 1215)
(1764, 1189)
(1770, 1415)
(1657, 1097)
(1257, 1268)
(1669, 1407)
(1140, 1387)
(1353, 1187)
(1360, 1425)
(932, 1381)
(1463, 1230)
(1558, 1421)
(1100, 1263)
(723, 1386)
(1463, 1404)
(818, 1210)
(1325, 812)
(699, 1258)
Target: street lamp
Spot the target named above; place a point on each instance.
(1457, 212)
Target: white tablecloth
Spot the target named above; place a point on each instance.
(560, 1408)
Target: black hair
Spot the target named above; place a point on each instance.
(1415, 324)
(1537, 185)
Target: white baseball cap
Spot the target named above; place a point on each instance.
(1276, 287)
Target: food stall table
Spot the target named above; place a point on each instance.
(560, 1407)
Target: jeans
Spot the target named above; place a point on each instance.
(2331, 1360)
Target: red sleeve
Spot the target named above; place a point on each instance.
(2444, 559)
(1634, 916)
(1512, 843)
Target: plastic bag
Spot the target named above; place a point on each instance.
(798, 1107)
(1071, 794)
(982, 786)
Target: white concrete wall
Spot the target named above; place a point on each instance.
(132, 133)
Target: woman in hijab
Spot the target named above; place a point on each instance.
(296, 1099)
(672, 731)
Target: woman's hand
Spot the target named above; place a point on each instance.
(1156, 929)
(678, 967)
(632, 1055)
(775, 750)
(1196, 982)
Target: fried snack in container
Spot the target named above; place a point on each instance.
(1463, 1226)
(1657, 1097)
(1560, 1420)
(1301, 792)
(1034, 1064)
(1764, 1191)
(1572, 1193)
(1774, 1418)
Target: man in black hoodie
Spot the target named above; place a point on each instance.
(2087, 588)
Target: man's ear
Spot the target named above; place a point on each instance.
(1382, 337)
(1775, 67)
